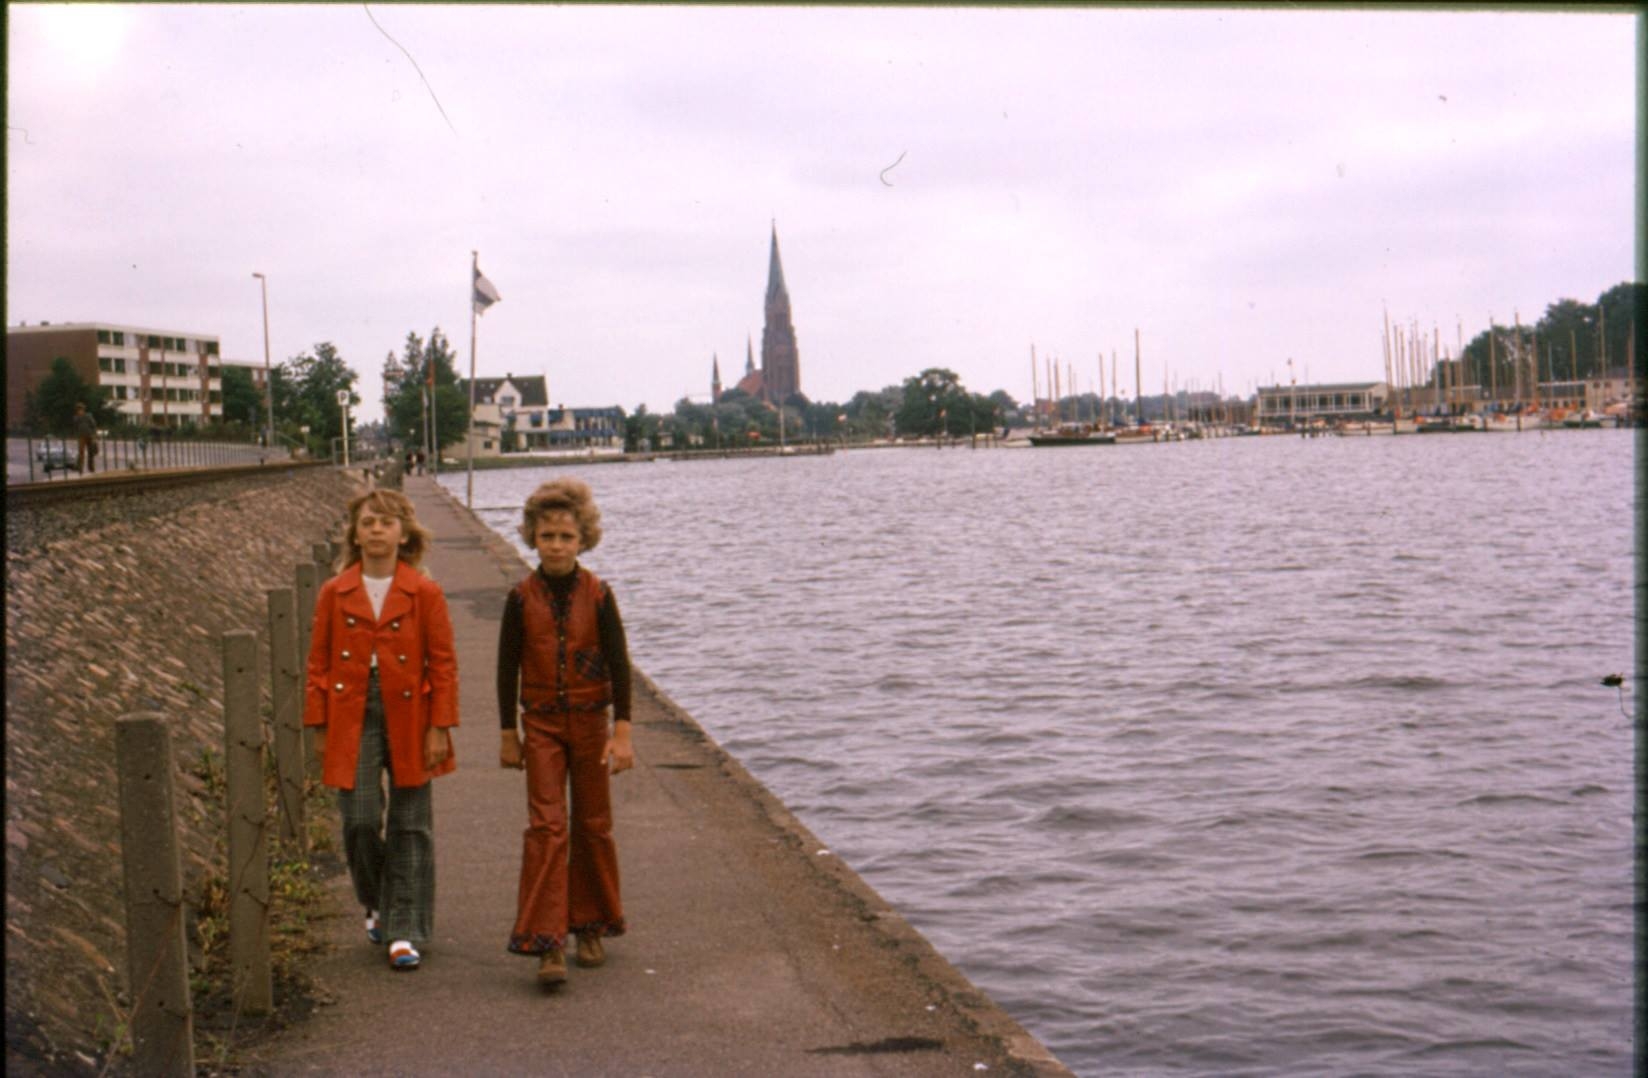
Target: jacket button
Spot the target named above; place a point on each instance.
(406, 694)
(402, 658)
(338, 687)
(349, 621)
(346, 655)
(395, 625)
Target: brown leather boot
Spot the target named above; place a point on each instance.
(590, 951)
(552, 968)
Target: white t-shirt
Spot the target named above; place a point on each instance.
(377, 589)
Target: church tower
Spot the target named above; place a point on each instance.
(715, 379)
(780, 359)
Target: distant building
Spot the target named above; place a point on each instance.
(153, 377)
(780, 358)
(1302, 404)
(779, 376)
(752, 383)
(513, 415)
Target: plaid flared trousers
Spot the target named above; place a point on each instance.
(392, 866)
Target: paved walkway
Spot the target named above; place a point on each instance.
(748, 952)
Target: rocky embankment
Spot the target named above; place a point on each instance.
(114, 605)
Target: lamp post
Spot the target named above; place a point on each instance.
(268, 383)
(343, 406)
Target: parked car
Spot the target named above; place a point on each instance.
(54, 457)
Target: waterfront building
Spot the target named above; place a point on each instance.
(513, 415)
(153, 377)
(1282, 405)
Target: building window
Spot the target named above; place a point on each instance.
(154, 342)
(104, 363)
(211, 348)
(102, 336)
(119, 337)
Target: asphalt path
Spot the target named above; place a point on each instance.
(751, 950)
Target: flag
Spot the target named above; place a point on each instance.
(486, 293)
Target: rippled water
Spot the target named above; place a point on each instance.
(1252, 756)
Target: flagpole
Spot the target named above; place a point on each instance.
(474, 276)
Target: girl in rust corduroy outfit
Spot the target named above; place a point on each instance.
(563, 659)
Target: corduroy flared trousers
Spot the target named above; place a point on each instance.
(569, 862)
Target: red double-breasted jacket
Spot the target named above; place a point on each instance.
(417, 672)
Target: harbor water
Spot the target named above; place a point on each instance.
(1251, 756)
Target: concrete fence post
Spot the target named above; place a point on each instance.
(250, 983)
(157, 954)
(308, 586)
(322, 553)
(286, 714)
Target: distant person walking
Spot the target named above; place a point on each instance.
(382, 693)
(85, 432)
(563, 659)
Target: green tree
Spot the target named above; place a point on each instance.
(242, 402)
(643, 431)
(933, 402)
(314, 383)
(50, 406)
(406, 410)
(870, 415)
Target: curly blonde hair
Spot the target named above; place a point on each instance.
(415, 538)
(563, 496)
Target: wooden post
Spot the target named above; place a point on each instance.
(307, 588)
(286, 718)
(157, 955)
(250, 984)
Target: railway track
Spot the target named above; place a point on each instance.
(120, 484)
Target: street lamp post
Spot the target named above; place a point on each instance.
(268, 383)
(343, 406)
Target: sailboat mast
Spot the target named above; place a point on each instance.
(1035, 389)
(1493, 365)
(1138, 382)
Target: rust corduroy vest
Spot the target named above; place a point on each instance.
(562, 666)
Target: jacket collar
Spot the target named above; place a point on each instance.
(396, 604)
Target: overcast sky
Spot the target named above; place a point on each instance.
(951, 185)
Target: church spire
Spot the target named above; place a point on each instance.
(715, 378)
(775, 272)
(780, 358)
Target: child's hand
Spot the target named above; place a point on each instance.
(619, 754)
(509, 751)
(437, 746)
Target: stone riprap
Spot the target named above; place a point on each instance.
(114, 605)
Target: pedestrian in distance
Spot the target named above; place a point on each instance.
(563, 661)
(382, 695)
(85, 432)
